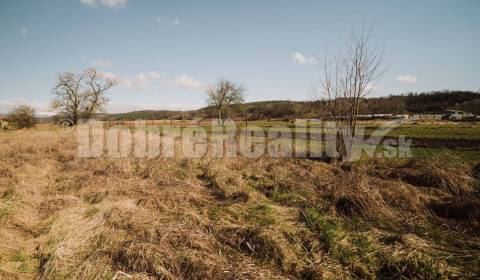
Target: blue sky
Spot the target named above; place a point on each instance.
(167, 52)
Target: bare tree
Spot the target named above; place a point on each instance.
(94, 96)
(223, 96)
(81, 95)
(68, 96)
(347, 79)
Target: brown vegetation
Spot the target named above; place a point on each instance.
(64, 217)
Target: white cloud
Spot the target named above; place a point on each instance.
(114, 3)
(187, 82)
(156, 75)
(24, 31)
(167, 21)
(41, 109)
(299, 58)
(90, 3)
(7, 105)
(143, 80)
(109, 75)
(406, 79)
(102, 63)
(106, 3)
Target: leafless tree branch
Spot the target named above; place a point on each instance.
(347, 79)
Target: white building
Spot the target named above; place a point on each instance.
(457, 115)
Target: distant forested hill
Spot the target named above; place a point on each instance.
(425, 102)
(151, 115)
(411, 103)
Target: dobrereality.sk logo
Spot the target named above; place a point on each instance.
(305, 139)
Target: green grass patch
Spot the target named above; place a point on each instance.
(9, 193)
(91, 212)
(262, 214)
(471, 156)
(214, 213)
(5, 213)
(278, 194)
(438, 131)
(22, 258)
(328, 229)
(350, 248)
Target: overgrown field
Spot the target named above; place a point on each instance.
(64, 217)
(426, 137)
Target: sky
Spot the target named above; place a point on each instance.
(167, 53)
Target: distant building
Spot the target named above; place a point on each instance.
(428, 117)
(404, 116)
(457, 115)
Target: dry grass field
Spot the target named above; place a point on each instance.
(65, 217)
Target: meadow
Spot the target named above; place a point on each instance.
(67, 217)
(428, 137)
(416, 129)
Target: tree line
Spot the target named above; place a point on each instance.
(410, 103)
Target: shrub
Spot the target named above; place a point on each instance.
(23, 116)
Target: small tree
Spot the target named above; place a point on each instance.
(81, 95)
(346, 81)
(23, 116)
(223, 96)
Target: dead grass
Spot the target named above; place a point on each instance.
(445, 172)
(63, 217)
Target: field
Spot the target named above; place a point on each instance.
(428, 138)
(66, 217)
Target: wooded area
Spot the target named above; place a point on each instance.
(411, 103)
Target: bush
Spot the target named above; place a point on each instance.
(23, 116)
